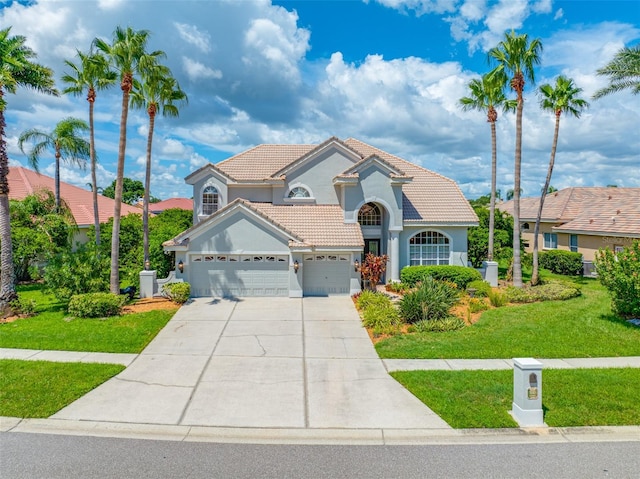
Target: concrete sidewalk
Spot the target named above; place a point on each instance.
(258, 363)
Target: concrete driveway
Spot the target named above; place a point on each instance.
(258, 362)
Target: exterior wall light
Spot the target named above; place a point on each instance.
(296, 266)
(356, 266)
(181, 266)
(147, 265)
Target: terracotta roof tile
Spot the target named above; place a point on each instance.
(23, 182)
(181, 203)
(596, 210)
(262, 161)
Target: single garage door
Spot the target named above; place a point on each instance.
(325, 274)
(239, 275)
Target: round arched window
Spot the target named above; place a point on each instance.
(299, 192)
(369, 215)
(210, 200)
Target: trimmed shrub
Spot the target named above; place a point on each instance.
(432, 300)
(561, 262)
(381, 319)
(396, 287)
(482, 288)
(460, 275)
(549, 291)
(450, 323)
(368, 298)
(497, 298)
(620, 274)
(177, 292)
(95, 305)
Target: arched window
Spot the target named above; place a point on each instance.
(429, 247)
(369, 215)
(299, 192)
(210, 200)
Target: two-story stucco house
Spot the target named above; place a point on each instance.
(295, 220)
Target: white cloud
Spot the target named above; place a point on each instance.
(192, 35)
(197, 71)
(559, 14)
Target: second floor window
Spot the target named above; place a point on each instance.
(369, 215)
(210, 201)
(299, 192)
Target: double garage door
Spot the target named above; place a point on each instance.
(239, 275)
(325, 274)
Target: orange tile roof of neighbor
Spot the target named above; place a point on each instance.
(171, 203)
(587, 210)
(24, 182)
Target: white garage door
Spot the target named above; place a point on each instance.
(325, 274)
(239, 275)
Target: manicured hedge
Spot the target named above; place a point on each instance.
(95, 305)
(177, 292)
(460, 275)
(561, 262)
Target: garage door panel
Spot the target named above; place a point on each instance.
(325, 275)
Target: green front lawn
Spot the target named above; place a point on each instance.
(52, 329)
(41, 388)
(579, 327)
(482, 399)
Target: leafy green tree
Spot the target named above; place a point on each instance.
(39, 231)
(127, 55)
(64, 140)
(478, 236)
(516, 56)
(623, 72)
(620, 274)
(159, 91)
(563, 98)
(487, 94)
(163, 227)
(132, 191)
(17, 69)
(91, 74)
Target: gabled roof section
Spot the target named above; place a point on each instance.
(24, 182)
(391, 169)
(331, 142)
(206, 171)
(589, 210)
(429, 198)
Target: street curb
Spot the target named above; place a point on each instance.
(311, 436)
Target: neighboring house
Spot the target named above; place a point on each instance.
(171, 203)
(582, 219)
(294, 220)
(24, 182)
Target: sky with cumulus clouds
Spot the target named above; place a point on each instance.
(387, 72)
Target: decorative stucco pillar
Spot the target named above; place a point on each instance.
(394, 256)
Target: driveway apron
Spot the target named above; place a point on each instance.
(258, 362)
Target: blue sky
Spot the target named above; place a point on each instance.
(388, 72)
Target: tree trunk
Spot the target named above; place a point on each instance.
(147, 187)
(57, 179)
(114, 280)
(7, 288)
(94, 181)
(492, 204)
(536, 231)
(517, 263)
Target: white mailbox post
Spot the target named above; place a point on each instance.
(527, 392)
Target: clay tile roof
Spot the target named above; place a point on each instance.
(181, 203)
(597, 210)
(23, 182)
(316, 225)
(262, 161)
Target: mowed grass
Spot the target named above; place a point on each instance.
(579, 327)
(52, 329)
(37, 389)
(482, 399)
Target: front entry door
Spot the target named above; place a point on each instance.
(372, 246)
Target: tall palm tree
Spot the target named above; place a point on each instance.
(516, 57)
(561, 99)
(91, 74)
(623, 72)
(17, 69)
(487, 94)
(159, 91)
(128, 56)
(65, 142)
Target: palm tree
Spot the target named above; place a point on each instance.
(623, 72)
(159, 91)
(65, 142)
(16, 70)
(561, 99)
(487, 94)
(128, 56)
(91, 74)
(516, 56)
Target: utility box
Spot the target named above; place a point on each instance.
(527, 392)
